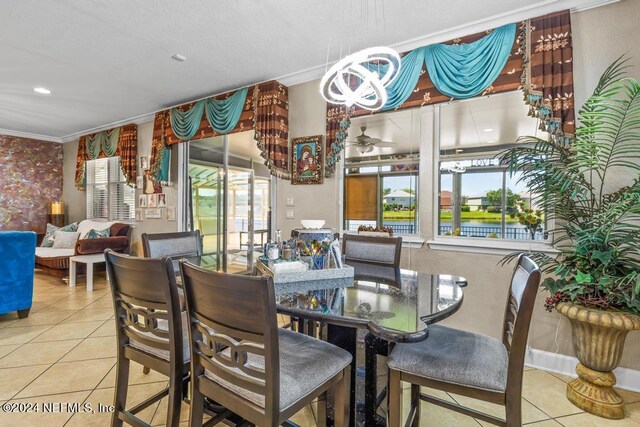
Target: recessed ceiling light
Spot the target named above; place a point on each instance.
(491, 141)
(179, 57)
(487, 130)
(42, 90)
(459, 150)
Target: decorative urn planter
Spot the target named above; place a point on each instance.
(598, 340)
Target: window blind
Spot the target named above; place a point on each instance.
(108, 195)
(361, 198)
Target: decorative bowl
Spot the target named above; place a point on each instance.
(312, 223)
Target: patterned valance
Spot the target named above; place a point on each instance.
(118, 142)
(542, 44)
(547, 78)
(264, 109)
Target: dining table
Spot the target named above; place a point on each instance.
(378, 310)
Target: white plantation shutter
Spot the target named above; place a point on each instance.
(108, 195)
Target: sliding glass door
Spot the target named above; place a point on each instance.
(228, 201)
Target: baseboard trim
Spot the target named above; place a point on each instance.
(628, 379)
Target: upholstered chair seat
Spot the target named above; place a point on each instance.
(305, 364)
(455, 357)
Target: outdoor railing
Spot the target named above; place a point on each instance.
(484, 231)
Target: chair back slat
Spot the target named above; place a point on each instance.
(517, 318)
(146, 303)
(233, 333)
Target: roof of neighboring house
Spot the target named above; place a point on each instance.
(399, 193)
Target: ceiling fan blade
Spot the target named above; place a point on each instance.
(386, 144)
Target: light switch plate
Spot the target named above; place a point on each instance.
(290, 213)
(289, 201)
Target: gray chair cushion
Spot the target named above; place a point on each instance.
(454, 356)
(164, 354)
(305, 364)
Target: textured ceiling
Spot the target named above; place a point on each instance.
(109, 61)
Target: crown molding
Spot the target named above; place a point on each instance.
(538, 9)
(135, 120)
(29, 135)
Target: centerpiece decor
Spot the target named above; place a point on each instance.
(595, 280)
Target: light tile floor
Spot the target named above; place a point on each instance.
(64, 352)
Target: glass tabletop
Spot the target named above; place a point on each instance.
(395, 310)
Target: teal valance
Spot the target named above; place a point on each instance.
(185, 124)
(458, 71)
(222, 115)
(107, 141)
(464, 71)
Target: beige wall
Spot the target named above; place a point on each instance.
(599, 35)
(75, 200)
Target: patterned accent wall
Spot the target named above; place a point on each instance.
(30, 179)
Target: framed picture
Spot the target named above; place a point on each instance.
(144, 163)
(162, 200)
(153, 213)
(142, 201)
(138, 214)
(171, 213)
(139, 182)
(307, 160)
(152, 200)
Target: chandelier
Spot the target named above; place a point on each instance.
(361, 78)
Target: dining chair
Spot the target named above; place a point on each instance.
(185, 244)
(243, 361)
(377, 258)
(149, 329)
(469, 364)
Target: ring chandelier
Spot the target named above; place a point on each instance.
(361, 78)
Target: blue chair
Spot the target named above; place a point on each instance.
(17, 263)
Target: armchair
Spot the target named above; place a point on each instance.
(17, 258)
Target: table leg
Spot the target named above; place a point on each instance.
(89, 277)
(345, 338)
(72, 274)
(374, 347)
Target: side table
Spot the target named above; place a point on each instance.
(89, 260)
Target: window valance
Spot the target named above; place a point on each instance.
(534, 55)
(117, 142)
(263, 108)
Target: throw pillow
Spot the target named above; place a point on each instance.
(65, 239)
(47, 242)
(96, 234)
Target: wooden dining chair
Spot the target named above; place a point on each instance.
(372, 257)
(469, 364)
(243, 361)
(149, 329)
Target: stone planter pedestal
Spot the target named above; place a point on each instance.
(598, 341)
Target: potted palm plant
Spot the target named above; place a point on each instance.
(590, 189)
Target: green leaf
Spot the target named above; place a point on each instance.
(583, 277)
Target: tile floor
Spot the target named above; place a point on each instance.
(64, 352)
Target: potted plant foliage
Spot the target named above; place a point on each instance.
(590, 189)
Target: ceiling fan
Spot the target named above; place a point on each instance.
(365, 143)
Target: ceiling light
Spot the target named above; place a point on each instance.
(42, 90)
(487, 130)
(457, 168)
(361, 68)
(491, 141)
(179, 57)
(459, 150)
(364, 149)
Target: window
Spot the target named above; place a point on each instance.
(382, 195)
(108, 195)
(477, 195)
